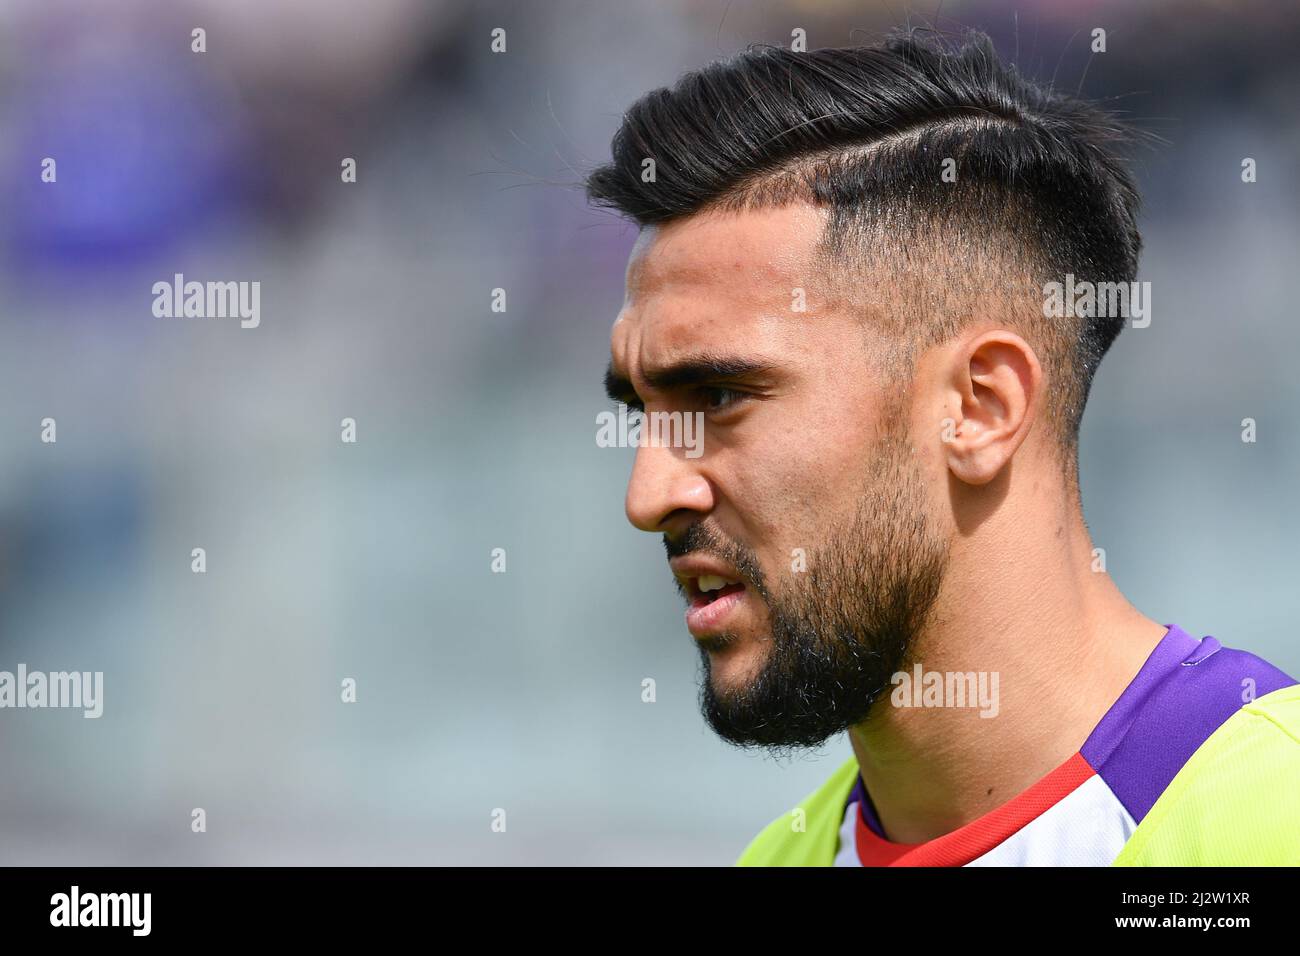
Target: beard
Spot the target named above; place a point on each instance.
(841, 629)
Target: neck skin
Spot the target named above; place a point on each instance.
(1019, 598)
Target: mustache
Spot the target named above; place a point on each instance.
(695, 538)
(702, 539)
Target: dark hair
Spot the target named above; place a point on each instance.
(1040, 192)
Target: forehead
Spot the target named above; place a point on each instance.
(763, 244)
(714, 275)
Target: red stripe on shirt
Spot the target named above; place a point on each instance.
(980, 835)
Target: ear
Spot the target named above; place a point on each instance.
(994, 381)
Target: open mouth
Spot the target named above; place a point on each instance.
(716, 597)
(708, 588)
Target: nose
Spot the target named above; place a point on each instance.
(666, 490)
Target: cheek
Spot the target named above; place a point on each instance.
(796, 496)
(797, 471)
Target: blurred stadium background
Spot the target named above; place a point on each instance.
(476, 429)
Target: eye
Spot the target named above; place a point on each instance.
(717, 398)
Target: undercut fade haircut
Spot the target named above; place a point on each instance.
(1041, 190)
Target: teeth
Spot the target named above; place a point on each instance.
(711, 582)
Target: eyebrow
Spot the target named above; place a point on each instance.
(701, 370)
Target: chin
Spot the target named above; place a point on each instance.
(734, 662)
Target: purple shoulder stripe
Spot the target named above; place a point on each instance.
(1186, 689)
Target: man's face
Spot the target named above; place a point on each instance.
(802, 537)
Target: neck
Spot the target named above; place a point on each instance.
(1021, 600)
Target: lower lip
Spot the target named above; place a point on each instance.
(706, 619)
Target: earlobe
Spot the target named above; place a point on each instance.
(974, 455)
